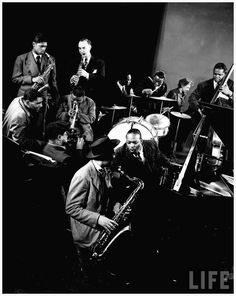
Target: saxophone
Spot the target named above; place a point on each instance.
(105, 239)
(46, 72)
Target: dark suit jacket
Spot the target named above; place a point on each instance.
(96, 69)
(147, 83)
(204, 92)
(175, 94)
(25, 68)
(149, 171)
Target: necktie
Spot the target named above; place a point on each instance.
(85, 62)
(138, 156)
(38, 62)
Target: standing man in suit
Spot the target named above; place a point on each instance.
(28, 72)
(88, 72)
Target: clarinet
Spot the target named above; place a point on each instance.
(81, 65)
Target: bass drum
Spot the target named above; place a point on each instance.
(120, 129)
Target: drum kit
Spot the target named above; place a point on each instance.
(154, 126)
(113, 109)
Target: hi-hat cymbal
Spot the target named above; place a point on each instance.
(162, 98)
(115, 107)
(180, 115)
(134, 96)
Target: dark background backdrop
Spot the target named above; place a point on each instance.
(125, 35)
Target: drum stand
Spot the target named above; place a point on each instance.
(176, 135)
(130, 105)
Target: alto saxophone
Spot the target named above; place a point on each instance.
(105, 239)
(46, 72)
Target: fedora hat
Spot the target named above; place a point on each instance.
(102, 148)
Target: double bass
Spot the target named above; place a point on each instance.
(197, 132)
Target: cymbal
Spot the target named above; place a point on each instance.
(115, 107)
(134, 96)
(180, 115)
(158, 120)
(162, 99)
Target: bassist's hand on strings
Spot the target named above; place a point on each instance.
(225, 90)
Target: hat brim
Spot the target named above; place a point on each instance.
(114, 143)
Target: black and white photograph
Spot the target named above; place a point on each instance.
(117, 147)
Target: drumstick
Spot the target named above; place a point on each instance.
(167, 110)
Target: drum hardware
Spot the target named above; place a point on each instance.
(180, 116)
(113, 109)
(162, 99)
(132, 96)
(120, 129)
(167, 110)
(160, 123)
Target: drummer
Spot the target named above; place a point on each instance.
(179, 94)
(151, 86)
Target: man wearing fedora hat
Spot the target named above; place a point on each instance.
(87, 200)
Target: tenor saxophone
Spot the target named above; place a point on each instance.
(105, 239)
(46, 72)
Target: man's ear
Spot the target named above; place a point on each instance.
(59, 137)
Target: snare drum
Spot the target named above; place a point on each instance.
(120, 129)
(160, 124)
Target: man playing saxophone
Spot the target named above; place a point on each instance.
(87, 205)
(29, 69)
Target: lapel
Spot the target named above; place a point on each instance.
(94, 176)
(147, 155)
(92, 65)
(44, 63)
(30, 64)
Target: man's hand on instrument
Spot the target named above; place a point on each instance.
(80, 143)
(38, 79)
(74, 79)
(225, 90)
(116, 208)
(83, 73)
(147, 91)
(107, 223)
